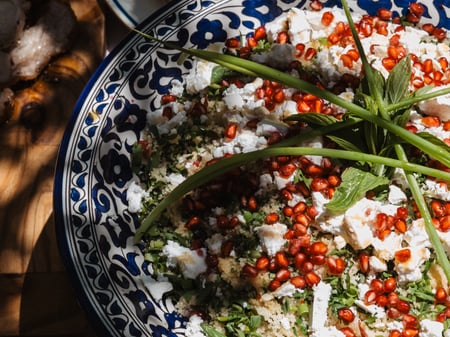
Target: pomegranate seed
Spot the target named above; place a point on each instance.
(403, 306)
(319, 184)
(318, 248)
(310, 53)
(271, 218)
(388, 63)
(431, 121)
(392, 299)
(347, 331)
(403, 255)
(232, 43)
(327, 18)
(381, 301)
(427, 66)
(377, 286)
(384, 14)
(400, 226)
(444, 223)
(274, 285)
(252, 204)
(230, 131)
(428, 27)
(409, 321)
(281, 260)
(262, 263)
(316, 5)
(353, 53)
(443, 62)
(260, 33)
(282, 37)
(334, 38)
(298, 282)
(410, 332)
(346, 61)
(402, 213)
(299, 259)
(283, 275)
(249, 271)
(300, 48)
(389, 284)
(370, 297)
(312, 278)
(192, 222)
(287, 170)
(346, 315)
(336, 265)
(416, 9)
(393, 313)
(364, 264)
(395, 333)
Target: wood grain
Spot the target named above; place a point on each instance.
(36, 297)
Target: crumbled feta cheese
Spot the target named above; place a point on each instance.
(272, 237)
(439, 106)
(193, 328)
(358, 223)
(384, 249)
(319, 315)
(377, 265)
(396, 195)
(191, 262)
(410, 271)
(429, 328)
(214, 243)
(199, 78)
(135, 194)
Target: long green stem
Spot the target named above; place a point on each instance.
(407, 102)
(224, 165)
(441, 256)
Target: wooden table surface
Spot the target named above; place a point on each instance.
(36, 296)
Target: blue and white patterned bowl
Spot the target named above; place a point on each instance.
(94, 227)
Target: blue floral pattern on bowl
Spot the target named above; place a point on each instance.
(94, 227)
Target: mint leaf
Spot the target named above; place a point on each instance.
(397, 82)
(355, 183)
(210, 331)
(435, 140)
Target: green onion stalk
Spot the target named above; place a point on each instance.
(382, 118)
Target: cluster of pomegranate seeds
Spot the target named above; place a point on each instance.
(385, 224)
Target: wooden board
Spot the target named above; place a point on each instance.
(36, 297)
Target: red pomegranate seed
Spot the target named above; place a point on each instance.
(310, 53)
(364, 264)
(389, 284)
(260, 33)
(388, 63)
(431, 121)
(262, 263)
(346, 315)
(318, 248)
(384, 14)
(271, 218)
(232, 43)
(312, 278)
(403, 255)
(316, 5)
(283, 275)
(300, 49)
(298, 282)
(416, 9)
(327, 18)
(403, 306)
(230, 131)
(249, 271)
(282, 37)
(347, 331)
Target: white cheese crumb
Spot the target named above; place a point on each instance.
(191, 262)
(272, 237)
(135, 194)
(429, 328)
(193, 328)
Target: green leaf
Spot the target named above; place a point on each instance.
(344, 143)
(210, 331)
(313, 118)
(397, 82)
(218, 73)
(355, 183)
